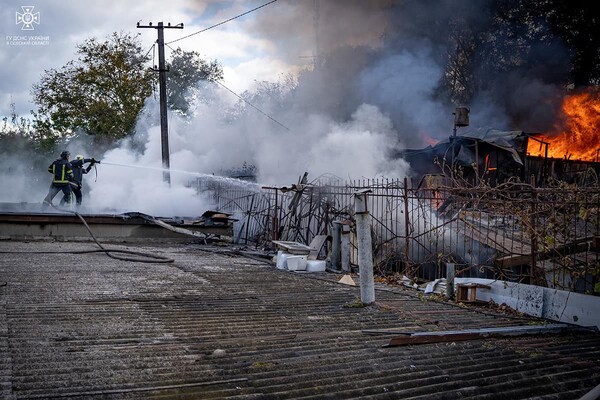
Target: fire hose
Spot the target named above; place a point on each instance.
(150, 258)
(143, 257)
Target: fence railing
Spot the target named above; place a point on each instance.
(516, 232)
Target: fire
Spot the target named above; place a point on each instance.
(579, 137)
(429, 140)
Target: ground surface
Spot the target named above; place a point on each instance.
(85, 326)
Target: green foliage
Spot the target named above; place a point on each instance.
(186, 71)
(101, 92)
(271, 97)
(21, 134)
(22, 147)
(549, 40)
(14, 125)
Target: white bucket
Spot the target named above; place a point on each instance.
(296, 263)
(281, 259)
(316, 265)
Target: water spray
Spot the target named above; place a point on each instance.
(154, 168)
(221, 179)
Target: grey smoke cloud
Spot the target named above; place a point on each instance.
(393, 54)
(375, 89)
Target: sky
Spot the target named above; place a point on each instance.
(375, 94)
(265, 45)
(62, 24)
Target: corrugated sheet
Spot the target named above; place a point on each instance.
(221, 326)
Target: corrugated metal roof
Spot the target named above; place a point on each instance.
(222, 326)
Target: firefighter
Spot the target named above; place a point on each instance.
(62, 175)
(78, 171)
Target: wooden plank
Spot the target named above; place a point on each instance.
(408, 340)
(512, 261)
(315, 245)
(292, 247)
(476, 334)
(467, 292)
(495, 239)
(300, 248)
(579, 246)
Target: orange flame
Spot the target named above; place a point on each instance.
(579, 137)
(429, 140)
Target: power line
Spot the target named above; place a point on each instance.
(246, 101)
(224, 22)
(252, 105)
(172, 49)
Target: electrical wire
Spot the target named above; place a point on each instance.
(224, 22)
(225, 87)
(252, 105)
(172, 49)
(241, 98)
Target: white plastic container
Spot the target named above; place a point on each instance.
(296, 263)
(282, 259)
(316, 265)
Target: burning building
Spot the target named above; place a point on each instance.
(568, 153)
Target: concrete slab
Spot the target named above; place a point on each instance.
(553, 304)
(31, 222)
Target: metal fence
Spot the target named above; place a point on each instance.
(516, 232)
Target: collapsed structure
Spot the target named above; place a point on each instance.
(496, 156)
(477, 201)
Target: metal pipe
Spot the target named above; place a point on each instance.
(345, 248)
(336, 234)
(406, 225)
(450, 273)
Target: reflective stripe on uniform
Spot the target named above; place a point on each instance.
(62, 174)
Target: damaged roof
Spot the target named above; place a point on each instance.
(468, 148)
(218, 325)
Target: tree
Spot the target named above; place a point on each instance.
(577, 25)
(101, 92)
(186, 71)
(552, 41)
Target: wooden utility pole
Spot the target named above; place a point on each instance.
(162, 84)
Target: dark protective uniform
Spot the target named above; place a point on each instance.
(62, 175)
(78, 172)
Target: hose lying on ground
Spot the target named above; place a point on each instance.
(152, 258)
(145, 257)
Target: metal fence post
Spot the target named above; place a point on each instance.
(534, 242)
(406, 228)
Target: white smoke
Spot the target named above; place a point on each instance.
(207, 144)
(137, 184)
(405, 83)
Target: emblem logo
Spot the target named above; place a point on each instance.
(27, 18)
